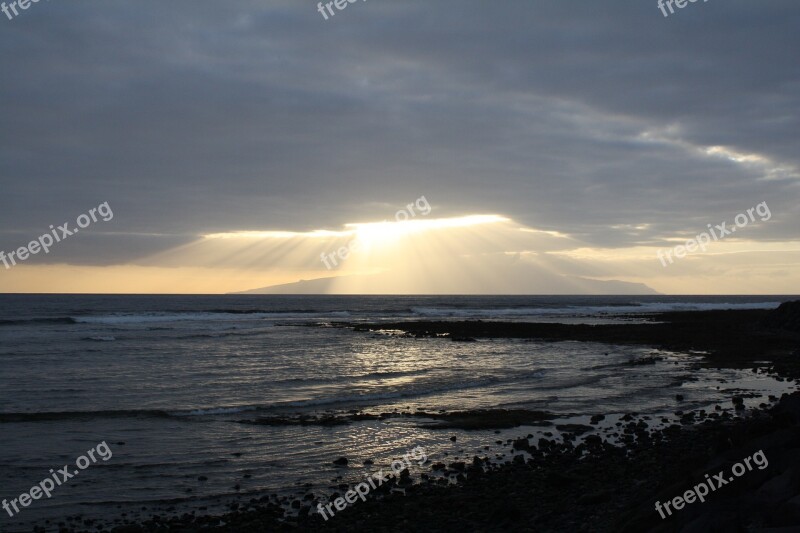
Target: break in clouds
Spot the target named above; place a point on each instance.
(604, 122)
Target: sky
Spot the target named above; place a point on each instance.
(559, 145)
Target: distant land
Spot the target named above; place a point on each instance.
(388, 283)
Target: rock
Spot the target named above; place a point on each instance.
(488, 418)
(522, 444)
(593, 440)
(789, 407)
(596, 497)
(459, 466)
(645, 361)
(341, 461)
(576, 429)
(786, 316)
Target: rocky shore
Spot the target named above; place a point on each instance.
(583, 484)
(732, 339)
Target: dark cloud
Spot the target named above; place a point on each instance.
(192, 117)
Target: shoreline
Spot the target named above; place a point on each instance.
(590, 485)
(729, 337)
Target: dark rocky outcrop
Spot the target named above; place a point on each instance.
(786, 317)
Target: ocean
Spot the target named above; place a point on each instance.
(173, 385)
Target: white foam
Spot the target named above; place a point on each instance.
(217, 411)
(643, 307)
(151, 318)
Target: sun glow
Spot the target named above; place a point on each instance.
(368, 230)
(373, 233)
(474, 254)
(316, 234)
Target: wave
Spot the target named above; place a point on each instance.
(70, 415)
(426, 389)
(149, 318)
(157, 319)
(162, 317)
(221, 335)
(218, 411)
(626, 308)
(132, 413)
(466, 311)
(660, 307)
(57, 320)
(314, 380)
(423, 389)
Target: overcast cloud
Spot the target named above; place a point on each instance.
(590, 118)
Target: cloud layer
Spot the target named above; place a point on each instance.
(603, 121)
